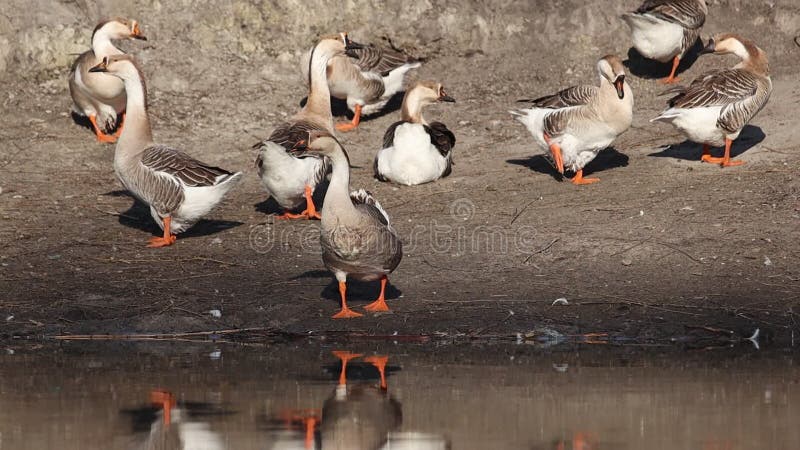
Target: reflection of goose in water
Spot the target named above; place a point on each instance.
(580, 441)
(176, 428)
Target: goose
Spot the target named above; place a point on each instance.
(290, 179)
(717, 105)
(178, 188)
(355, 234)
(415, 151)
(578, 122)
(97, 96)
(666, 29)
(367, 78)
(178, 427)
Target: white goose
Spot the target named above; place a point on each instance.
(367, 78)
(289, 179)
(578, 122)
(666, 29)
(714, 109)
(98, 96)
(415, 151)
(179, 189)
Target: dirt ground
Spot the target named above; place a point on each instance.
(663, 247)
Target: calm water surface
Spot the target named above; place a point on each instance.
(298, 396)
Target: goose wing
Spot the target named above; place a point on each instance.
(189, 171)
(373, 58)
(571, 96)
(687, 13)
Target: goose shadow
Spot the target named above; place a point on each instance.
(750, 136)
(138, 217)
(339, 107)
(649, 68)
(610, 158)
(271, 207)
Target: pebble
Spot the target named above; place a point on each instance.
(215, 313)
(627, 262)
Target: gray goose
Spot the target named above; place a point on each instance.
(576, 123)
(98, 96)
(367, 78)
(356, 237)
(666, 29)
(290, 179)
(415, 151)
(178, 188)
(717, 105)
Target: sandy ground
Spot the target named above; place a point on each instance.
(663, 246)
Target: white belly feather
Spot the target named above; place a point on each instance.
(698, 124)
(412, 159)
(655, 38)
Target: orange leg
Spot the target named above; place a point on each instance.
(578, 179)
(556, 151)
(706, 154)
(672, 78)
(168, 238)
(380, 363)
(101, 137)
(379, 304)
(725, 161)
(311, 426)
(166, 401)
(352, 125)
(345, 313)
(309, 213)
(345, 357)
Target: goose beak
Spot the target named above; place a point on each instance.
(446, 98)
(300, 147)
(709, 48)
(351, 47)
(102, 67)
(619, 85)
(137, 33)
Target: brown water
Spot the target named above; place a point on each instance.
(95, 396)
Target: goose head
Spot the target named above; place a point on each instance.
(119, 28)
(730, 43)
(319, 143)
(121, 66)
(422, 94)
(611, 69)
(338, 44)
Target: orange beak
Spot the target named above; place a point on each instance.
(136, 33)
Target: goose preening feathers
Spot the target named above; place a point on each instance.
(665, 30)
(178, 188)
(714, 109)
(357, 238)
(576, 123)
(415, 151)
(367, 78)
(291, 179)
(98, 96)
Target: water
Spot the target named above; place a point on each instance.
(112, 396)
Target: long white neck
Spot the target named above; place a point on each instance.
(136, 131)
(412, 107)
(616, 112)
(337, 198)
(102, 45)
(319, 95)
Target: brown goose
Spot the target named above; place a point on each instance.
(577, 123)
(367, 78)
(290, 179)
(415, 151)
(666, 29)
(356, 237)
(98, 96)
(714, 109)
(178, 188)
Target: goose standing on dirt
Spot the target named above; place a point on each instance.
(578, 122)
(290, 179)
(666, 29)
(415, 151)
(714, 109)
(356, 237)
(367, 78)
(98, 96)
(178, 188)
